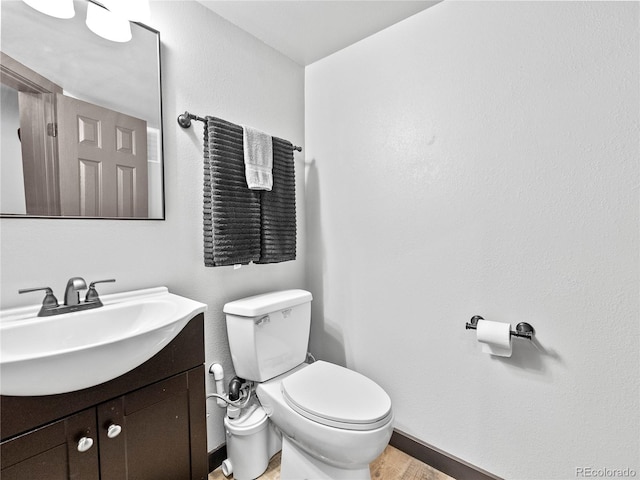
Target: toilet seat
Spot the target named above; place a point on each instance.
(336, 396)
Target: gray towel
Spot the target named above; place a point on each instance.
(278, 208)
(231, 211)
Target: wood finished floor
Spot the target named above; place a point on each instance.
(391, 465)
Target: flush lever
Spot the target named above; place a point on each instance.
(262, 320)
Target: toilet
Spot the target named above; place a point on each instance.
(333, 421)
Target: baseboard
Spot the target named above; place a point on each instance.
(436, 458)
(217, 456)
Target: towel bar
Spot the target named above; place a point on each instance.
(184, 120)
(523, 329)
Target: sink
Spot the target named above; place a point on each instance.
(72, 351)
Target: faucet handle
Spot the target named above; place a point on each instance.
(50, 299)
(92, 293)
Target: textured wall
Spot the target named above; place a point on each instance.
(482, 158)
(208, 67)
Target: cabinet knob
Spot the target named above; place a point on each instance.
(84, 444)
(113, 430)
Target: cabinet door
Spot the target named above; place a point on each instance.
(63, 450)
(154, 440)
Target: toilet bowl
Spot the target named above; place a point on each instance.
(335, 416)
(333, 421)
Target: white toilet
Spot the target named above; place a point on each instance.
(333, 421)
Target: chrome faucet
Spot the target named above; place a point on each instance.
(71, 293)
(72, 301)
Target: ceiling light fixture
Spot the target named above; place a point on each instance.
(107, 24)
(53, 8)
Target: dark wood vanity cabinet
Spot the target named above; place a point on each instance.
(154, 442)
(51, 452)
(147, 424)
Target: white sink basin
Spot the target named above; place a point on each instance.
(72, 351)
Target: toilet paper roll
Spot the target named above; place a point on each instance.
(495, 337)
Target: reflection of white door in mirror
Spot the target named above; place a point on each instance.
(102, 161)
(65, 57)
(78, 159)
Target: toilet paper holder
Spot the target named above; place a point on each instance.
(523, 329)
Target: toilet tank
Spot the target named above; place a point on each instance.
(268, 333)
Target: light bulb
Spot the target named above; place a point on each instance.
(107, 24)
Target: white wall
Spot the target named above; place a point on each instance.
(208, 67)
(482, 158)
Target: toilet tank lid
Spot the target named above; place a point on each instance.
(267, 302)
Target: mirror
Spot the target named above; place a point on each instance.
(81, 126)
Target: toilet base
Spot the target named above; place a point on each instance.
(299, 465)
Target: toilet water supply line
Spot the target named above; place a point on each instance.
(246, 389)
(222, 399)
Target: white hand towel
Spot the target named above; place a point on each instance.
(258, 159)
